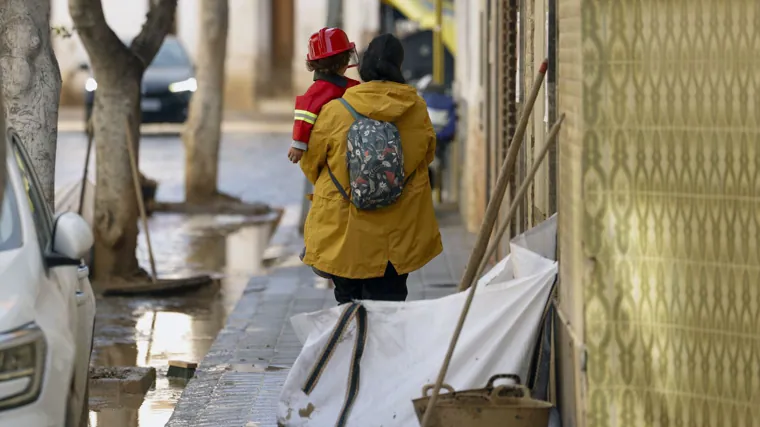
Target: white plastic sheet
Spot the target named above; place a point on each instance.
(407, 342)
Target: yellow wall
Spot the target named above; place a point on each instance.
(659, 202)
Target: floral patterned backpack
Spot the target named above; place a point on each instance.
(375, 163)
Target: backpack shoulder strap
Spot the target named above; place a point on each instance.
(409, 178)
(350, 109)
(337, 185)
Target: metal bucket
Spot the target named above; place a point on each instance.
(492, 406)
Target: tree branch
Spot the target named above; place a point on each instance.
(157, 25)
(90, 23)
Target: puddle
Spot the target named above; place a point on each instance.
(149, 332)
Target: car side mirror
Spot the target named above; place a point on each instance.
(84, 66)
(72, 240)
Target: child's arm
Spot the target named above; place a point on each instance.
(307, 110)
(303, 122)
(315, 159)
(295, 154)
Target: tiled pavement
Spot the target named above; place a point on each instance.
(238, 383)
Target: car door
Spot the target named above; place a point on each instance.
(74, 282)
(43, 224)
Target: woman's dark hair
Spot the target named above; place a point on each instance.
(382, 60)
(331, 64)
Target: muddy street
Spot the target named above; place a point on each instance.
(150, 331)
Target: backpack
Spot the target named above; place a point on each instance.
(375, 163)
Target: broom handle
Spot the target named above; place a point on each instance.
(507, 170)
(520, 193)
(140, 203)
(471, 294)
(89, 131)
(484, 235)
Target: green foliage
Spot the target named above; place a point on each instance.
(62, 31)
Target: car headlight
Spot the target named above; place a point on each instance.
(22, 363)
(90, 85)
(189, 85)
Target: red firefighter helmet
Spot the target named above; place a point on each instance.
(328, 42)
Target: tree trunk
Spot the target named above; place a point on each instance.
(2, 151)
(204, 125)
(116, 213)
(31, 85)
(118, 69)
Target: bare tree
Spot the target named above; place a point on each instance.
(118, 70)
(31, 84)
(204, 126)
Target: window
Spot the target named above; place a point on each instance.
(41, 215)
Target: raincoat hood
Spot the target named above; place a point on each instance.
(380, 100)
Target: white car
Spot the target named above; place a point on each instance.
(47, 307)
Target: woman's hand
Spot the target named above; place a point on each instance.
(294, 155)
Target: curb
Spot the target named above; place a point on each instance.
(127, 379)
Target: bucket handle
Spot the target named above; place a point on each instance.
(513, 377)
(497, 391)
(428, 387)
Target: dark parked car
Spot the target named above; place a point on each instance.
(167, 85)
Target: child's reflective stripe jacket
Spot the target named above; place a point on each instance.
(325, 88)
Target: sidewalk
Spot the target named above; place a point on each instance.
(238, 383)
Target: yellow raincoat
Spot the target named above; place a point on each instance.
(356, 244)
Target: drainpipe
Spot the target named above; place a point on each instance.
(438, 58)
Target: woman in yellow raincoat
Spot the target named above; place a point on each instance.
(370, 253)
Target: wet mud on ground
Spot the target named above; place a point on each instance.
(150, 331)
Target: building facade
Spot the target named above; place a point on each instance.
(259, 46)
(501, 47)
(361, 21)
(656, 184)
(659, 195)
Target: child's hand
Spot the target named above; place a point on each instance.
(294, 155)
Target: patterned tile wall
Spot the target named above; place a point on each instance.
(669, 209)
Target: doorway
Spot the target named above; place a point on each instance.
(283, 22)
